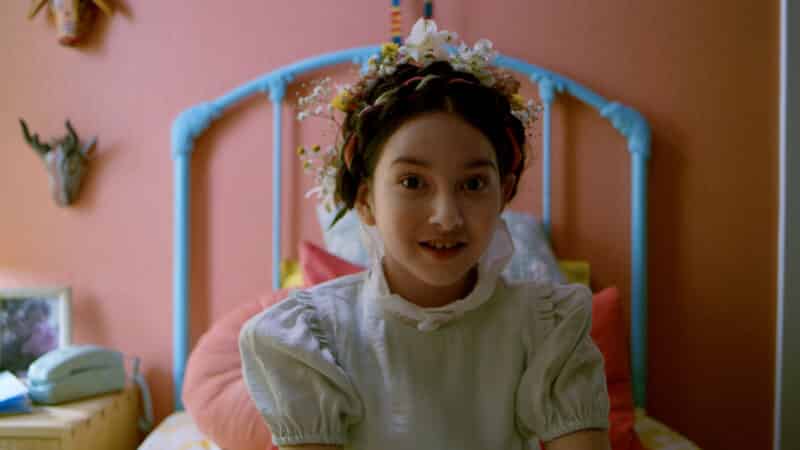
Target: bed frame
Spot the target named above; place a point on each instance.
(194, 121)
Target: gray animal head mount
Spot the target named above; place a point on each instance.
(66, 161)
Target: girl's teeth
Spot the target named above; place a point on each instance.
(442, 246)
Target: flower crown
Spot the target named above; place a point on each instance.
(425, 45)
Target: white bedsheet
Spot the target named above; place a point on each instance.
(179, 432)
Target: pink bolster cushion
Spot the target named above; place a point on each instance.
(214, 392)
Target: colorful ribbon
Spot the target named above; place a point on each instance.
(396, 22)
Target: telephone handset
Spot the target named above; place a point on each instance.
(74, 372)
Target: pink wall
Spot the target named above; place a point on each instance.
(704, 73)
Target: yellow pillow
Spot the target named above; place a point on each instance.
(575, 271)
(291, 275)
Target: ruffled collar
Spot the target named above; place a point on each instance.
(490, 265)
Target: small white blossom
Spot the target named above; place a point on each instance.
(386, 70)
(521, 115)
(425, 41)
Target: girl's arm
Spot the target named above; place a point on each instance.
(581, 440)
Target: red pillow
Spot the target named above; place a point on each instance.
(609, 332)
(319, 266)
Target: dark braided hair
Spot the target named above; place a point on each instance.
(411, 91)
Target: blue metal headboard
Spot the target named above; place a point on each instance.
(194, 121)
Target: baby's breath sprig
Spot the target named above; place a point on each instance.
(323, 165)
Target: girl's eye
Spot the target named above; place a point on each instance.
(411, 182)
(475, 184)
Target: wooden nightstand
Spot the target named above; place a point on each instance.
(107, 422)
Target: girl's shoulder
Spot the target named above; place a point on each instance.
(321, 299)
(331, 287)
(544, 300)
(342, 291)
(307, 318)
(336, 302)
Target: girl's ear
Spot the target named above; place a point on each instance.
(363, 204)
(508, 188)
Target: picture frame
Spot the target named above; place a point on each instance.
(33, 321)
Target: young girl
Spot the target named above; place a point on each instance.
(431, 348)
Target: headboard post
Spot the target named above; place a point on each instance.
(639, 279)
(277, 89)
(187, 126)
(547, 95)
(180, 287)
(634, 127)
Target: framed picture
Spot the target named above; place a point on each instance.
(32, 322)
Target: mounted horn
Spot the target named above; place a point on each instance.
(33, 141)
(104, 6)
(36, 6)
(73, 136)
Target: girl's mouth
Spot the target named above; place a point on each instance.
(442, 250)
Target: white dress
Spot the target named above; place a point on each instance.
(349, 363)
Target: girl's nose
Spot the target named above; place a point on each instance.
(446, 213)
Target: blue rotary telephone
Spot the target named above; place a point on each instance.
(74, 372)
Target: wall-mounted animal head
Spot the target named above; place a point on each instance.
(73, 17)
(66, 161)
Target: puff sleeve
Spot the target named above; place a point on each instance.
(290, 369)
(563, 388)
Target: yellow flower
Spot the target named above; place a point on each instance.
(518, 101)
(315, 149)
(300, 150)
(306, 164)
(389, 50)
(342, 100)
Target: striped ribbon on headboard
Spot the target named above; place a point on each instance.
(396, 19)
(397, 36)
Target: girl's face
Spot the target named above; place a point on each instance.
(435, 197)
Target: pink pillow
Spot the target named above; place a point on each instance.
(319, 266)
(214, 392)
(609, 332)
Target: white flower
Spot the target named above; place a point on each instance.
(521, 115)
(316, 190)
(386, 70)
(484, 46)
(426, 42)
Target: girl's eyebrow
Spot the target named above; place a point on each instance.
(474, 164)
(481, 162)
(412, 161)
